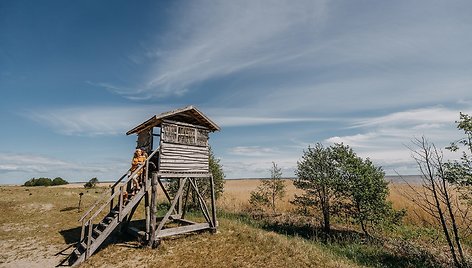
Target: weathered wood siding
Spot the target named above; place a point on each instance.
(182, 134)
(178, 158)
(145, 140)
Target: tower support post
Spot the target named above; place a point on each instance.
(152, 227)
(213, 206)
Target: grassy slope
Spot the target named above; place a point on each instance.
(38, 222)
(236, 245)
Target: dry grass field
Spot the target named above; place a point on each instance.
(237, 193)
(38, 222)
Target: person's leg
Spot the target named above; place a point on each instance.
(135, 183)
(125, 197)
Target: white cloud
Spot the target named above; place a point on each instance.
(213, 39)
(258, 167)
(286, 62)
(386, 139)
(253, 151)
(29, 163)
(329, 58)
(231, 121)
(116, 120)
(25, 166)
(430, 117)
(93, 120)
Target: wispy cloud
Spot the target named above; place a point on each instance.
(92, 120)
(429, 117)
(372, 75)
(253, 168)
(34, 165)
(115, 120)
(231, 37)
(231, 121)
(253, 151)
(386, 139)
(310, 56)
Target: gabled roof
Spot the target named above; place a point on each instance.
(189, 115)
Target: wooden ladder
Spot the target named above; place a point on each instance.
(94, 234)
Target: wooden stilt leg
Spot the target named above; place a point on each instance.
(201, 201)
(213, 205)
(148, 215)
(179, 202)
(152, 239)
(185, 201)
(172, 206)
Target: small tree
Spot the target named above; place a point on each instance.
(59, 181)
(259, 202)
(436, 197)
(459, 172)
(216, 170)
(92, 183)
(363, 187)
(38, 182)
(270, 190)
(336, 180)
(317, 176)
(30, 182)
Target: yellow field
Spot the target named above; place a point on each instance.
(237, 193)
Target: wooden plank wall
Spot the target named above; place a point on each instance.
(177, 158)
(145, 140)
(184, 134)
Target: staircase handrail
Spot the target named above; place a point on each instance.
(102, 197)
(103, 206)
(106, 193)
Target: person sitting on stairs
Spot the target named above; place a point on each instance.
(138, 159)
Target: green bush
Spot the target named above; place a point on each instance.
(30, 182)
(45, 182)
(59, 181)
(38, 182)
(91, 183)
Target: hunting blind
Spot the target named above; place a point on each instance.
(182, 156)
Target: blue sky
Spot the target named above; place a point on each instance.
(277, 76)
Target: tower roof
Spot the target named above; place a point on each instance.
(189, 115)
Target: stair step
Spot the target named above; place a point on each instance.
(73, 258)
(114, 212)
(103, 225)
(96, 232)
(77, 253)
(83, 246)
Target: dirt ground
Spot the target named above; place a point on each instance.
(39, 222)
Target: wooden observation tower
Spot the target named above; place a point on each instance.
(182, 155)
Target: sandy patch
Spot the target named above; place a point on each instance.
(41, 207)
(15, 227)
(28, 254)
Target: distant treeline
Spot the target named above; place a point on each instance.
(45, 182)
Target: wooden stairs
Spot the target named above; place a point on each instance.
(111, 211)
(96, 234)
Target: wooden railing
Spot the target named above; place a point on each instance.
(111, 193)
